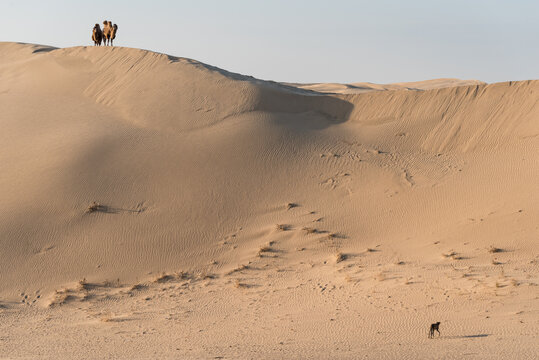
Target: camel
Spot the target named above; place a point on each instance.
(97, 35)
(107, 28)
(113, 33)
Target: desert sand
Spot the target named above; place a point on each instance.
(159, 207)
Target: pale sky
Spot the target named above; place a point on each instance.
(379, 41)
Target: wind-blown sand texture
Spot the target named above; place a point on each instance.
(158, 207)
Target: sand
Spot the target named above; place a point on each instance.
(159, 207)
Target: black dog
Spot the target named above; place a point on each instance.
(433, 327)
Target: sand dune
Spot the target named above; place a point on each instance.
(252, 219)
(362, 87)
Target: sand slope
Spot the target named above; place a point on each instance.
(238, 206)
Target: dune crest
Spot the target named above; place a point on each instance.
(362, 87)
(462, 118)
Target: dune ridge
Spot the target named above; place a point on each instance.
(362, 87)
(458, 118)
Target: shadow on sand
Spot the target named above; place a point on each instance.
(96, 207)
(468, 336)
